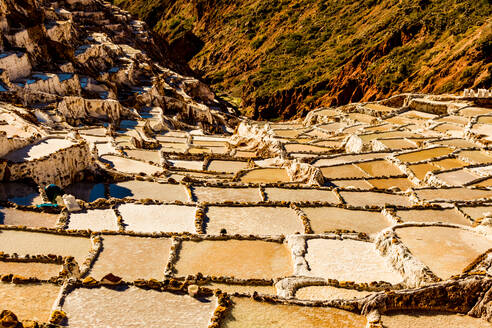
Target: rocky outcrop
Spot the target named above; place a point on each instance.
(260, 139)
(60, 167)
(88, 61)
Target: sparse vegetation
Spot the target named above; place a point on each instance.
(269, 46)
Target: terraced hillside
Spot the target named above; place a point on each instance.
(284, 57)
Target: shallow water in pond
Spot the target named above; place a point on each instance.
(355, 198)
(11, 216)
(43, 271)
(379, 168)
(424, 154)
(95, 220)
(144, 155)
(135, 307)
(238, 258)
(453, 194)
(265, 176)
(132, 258)
(357, 184)
(135, 189)
(253, 220)
(249, 313)
(212, 194)
(127, 165)
(331, 218)
(29, 302)
(299, 195)
(477, 212)
(348, 260)
(422, 319)
(428, 215)
(305, 148)
(158, 218)
(446, 251)
(400, 183)
(36, 243)
(227, 166)
(343, 171)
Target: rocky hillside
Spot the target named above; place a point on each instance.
(77, 62)
(284, 57)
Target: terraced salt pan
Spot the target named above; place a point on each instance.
(446, 251)
(214, 194)
(105, 148)
(188, 165)
(348, 158)
(144, 155)
(332, 218)
(320, 293)
(247, 312)
(301, 195)
(348, 260)
(152, 190)
(379, 168)
(368, 198)
(86, 191)
(248, 289)
(239, 258)
(458, 143)
(400, 183)
(29, 302)
(429, 319)
(457, 178)
(288, 133)
(132, 258)
(474, 111)
(293, 147)
(477, 212)
(127, 165)
(38, 150)
(245, 154)
(396, 144)
(358, 184)
(253, 220)
(449, 163)
(158, 218)
(455, 194)
(487, 183)
(420, 170)
(135, 307)
(421, 155)
(343, 171)
(19, 193)
(37, 243)
(227, 166)
(475, 156)
(267, 175)
(450, 215)
(169, 147)
(11, 216)
(43, 271)
(95, 220)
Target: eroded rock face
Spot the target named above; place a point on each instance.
(82, 61)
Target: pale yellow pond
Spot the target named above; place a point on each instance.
(446, 251)
(239, 258)
(249, 313)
